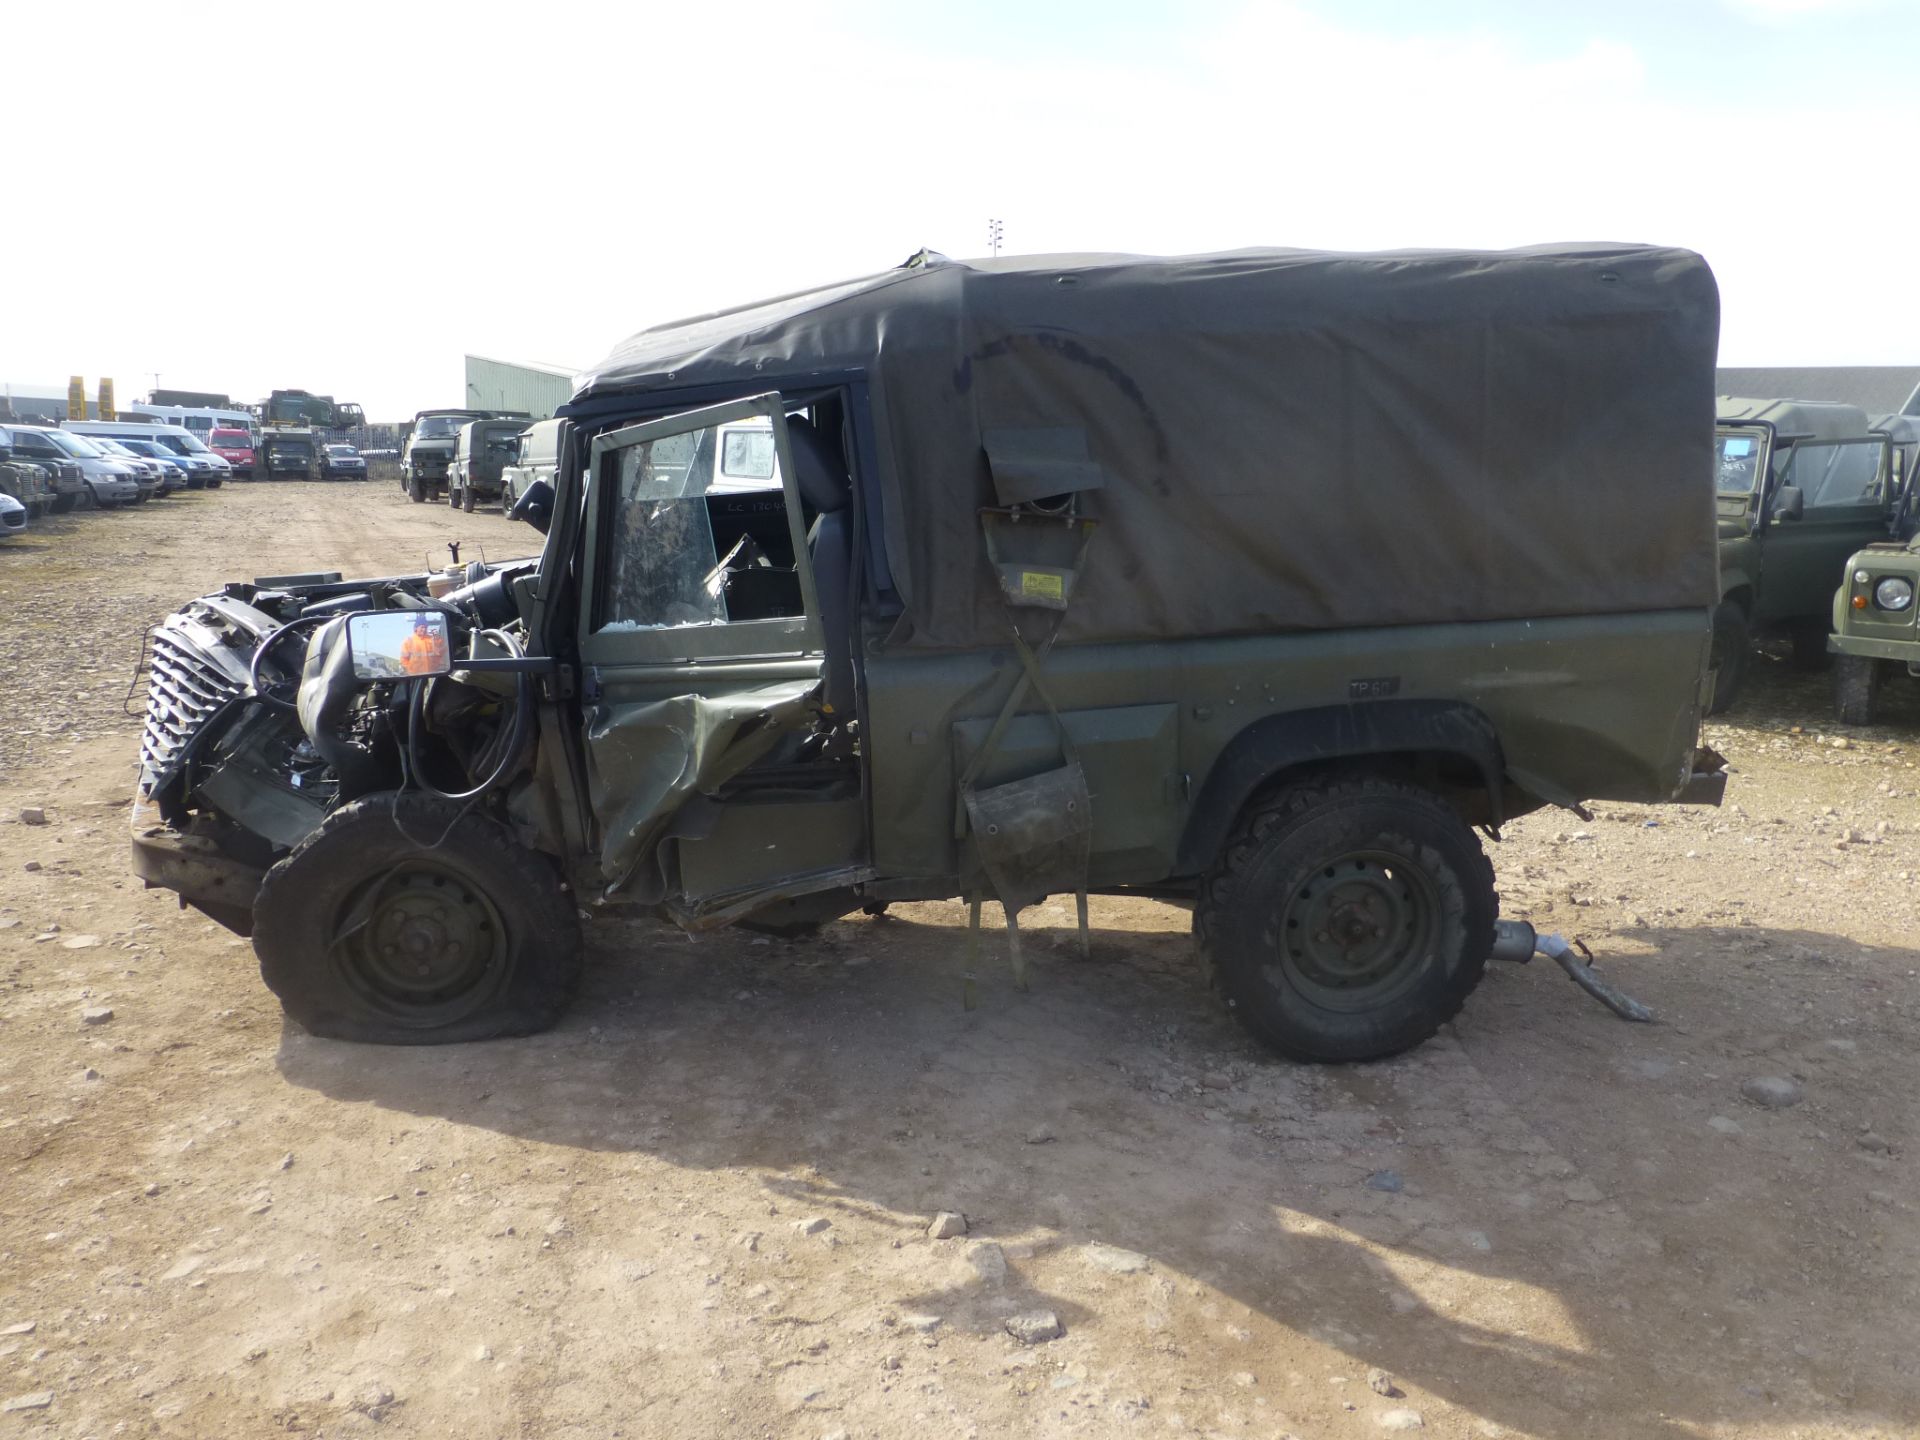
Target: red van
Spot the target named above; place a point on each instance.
(235, 447)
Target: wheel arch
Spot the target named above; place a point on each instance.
(1451, 740)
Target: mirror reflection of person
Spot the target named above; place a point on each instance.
(424, 651)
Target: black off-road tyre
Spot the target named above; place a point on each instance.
(1856, 688)
(1347, 919)
(370, 931)
(467, 499)
(66, 504)
(1731, 658)
(416, 489)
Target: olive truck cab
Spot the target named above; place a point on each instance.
(1874, 637)
(1056, 575)
(1799, 486)
(287, 452)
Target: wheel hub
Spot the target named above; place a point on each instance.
(1355, 927)
(428, 946)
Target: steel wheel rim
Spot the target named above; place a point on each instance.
(1357, 931)
(425, 947)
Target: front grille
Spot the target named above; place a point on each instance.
(193, 674)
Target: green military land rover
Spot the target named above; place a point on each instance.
(1801, 485)
(1873, 610)
(1258, 581)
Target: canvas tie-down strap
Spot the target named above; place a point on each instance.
(1031, 837)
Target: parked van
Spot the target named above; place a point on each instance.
(235, 446)
(539, 459)
(203, 466)
(107, 481)
(195, 421)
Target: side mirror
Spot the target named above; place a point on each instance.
(535, 506)
(399, 644)
(1789, 503)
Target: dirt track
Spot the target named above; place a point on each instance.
(1546, 1222)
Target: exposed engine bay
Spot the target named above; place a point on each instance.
(259, 725)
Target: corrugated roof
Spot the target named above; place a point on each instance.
(1877, 389)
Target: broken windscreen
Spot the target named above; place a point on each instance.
(1738, 453)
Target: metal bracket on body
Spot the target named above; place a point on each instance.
(1031, 837)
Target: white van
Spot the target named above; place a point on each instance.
(196, 422)
(203, 466)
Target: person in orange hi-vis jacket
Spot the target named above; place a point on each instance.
(424, 652)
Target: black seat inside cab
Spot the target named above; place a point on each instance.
(821, 476)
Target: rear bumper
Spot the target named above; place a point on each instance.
(193, 869)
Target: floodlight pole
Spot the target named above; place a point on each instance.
(996, 232)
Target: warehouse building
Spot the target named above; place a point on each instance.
(1876, 389)
(536, 390)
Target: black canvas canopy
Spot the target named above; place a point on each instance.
(1269, 440)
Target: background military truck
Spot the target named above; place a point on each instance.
(1874, 636)
(1257, 581)
(481, 452)
(1800, 485)
(428, 448)
(285, 453)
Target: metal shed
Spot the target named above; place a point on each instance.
(538, 390)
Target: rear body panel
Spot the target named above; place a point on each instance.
(1592, 708)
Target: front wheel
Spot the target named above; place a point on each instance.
(1348, 919)
(1856, 688)
(467, 498)
(65, 504)
(416, 489)
(411, 921)
(1731, 656)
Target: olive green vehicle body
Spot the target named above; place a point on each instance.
(1175, 739)
(1448, 650)
(1864, 629)
(1777, 562)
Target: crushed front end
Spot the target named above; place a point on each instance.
(253, 737)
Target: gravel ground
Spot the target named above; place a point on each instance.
(702, 1205)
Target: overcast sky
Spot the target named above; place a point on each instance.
(345, 198)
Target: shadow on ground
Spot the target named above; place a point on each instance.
(1546, 1160)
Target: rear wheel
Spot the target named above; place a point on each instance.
(1731, 657)
(405, 921)
(1856, 688)
(1348, 919)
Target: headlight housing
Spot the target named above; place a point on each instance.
(1893, 592)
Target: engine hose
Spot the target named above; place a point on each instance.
(260, 653)
(519, 732)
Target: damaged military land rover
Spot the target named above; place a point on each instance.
(1257, 581)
